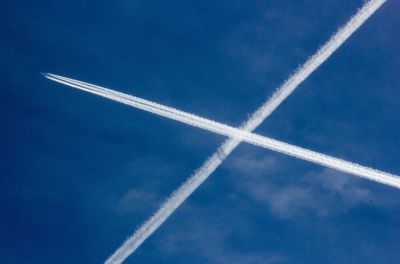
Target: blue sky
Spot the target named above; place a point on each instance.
(78, 173)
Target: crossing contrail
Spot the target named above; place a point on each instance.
(226, 130)
(180, 195)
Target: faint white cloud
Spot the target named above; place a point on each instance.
(142, 176)
(136, 200)
(210, 239)
(321, 193)
(347, 189)
(253, 165)
(290, 201)
(283, 201)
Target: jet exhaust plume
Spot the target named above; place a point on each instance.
(226, 130)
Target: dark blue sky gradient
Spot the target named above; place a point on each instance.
(79, 173)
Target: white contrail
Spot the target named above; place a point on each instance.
(222, 129)
(180, 195)
(212, 163)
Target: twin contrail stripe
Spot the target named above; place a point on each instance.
(225, 130)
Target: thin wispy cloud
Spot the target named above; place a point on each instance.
(321, 193)
(212, 245)
(179, 196)
(128, 202)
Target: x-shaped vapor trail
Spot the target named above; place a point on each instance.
(213, 162)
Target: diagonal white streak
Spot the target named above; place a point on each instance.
(222, 129)
(188, 187)
(225, 130)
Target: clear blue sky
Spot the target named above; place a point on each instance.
(79, 173)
